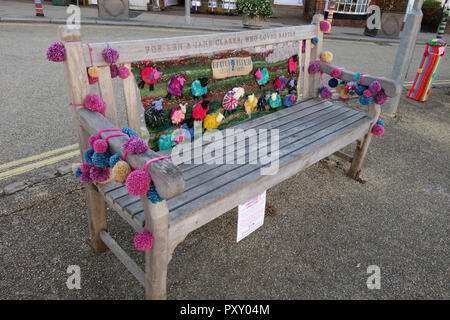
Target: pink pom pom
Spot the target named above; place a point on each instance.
(367, 93)
(93, 102)
(293, 97)
(258, 74)
(123, 72)
(314, 67)
(143, 241)
(378, 130)
(326, 93)
(325, 26)
(100, 146)
(91, 141)
(114, 70)
(85, 177)
(92, 80)
(375, 87)
(86, 167)
(138, 183)
(110, 55)
(335, 73)
(135, 145)
(380, 98)
(56, 52)
(99, 174)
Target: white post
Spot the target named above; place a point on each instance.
(187, 11)
(405, 50)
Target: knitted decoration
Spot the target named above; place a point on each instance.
(360, 90)
(87, 155)
(101, 160)
(325, 26)
(56, 52)
(123, 72)
(86, 167)
(367, 93)
(380, 98)
(380, 122)
(289, 100)
(375, 87)
(340, 88)
(138, 183)
(274, 100)
(199, 87)
(114, 71)
(326, 93)
(378, 130)
(200, 110)
(91, 140)
(314, 67)
(152, 195)
(262, 77)
(114, 159)
(365, 101)
(165, 142)
(211, 121)
(85, 177)
(314, 41)
(94, 72)
(100, 146)
(98, 174)
(326, 56)
(130, 132)
(78, 172)
(93, 102)
(175, 86)
(333, 82)
(280, 83)
(92, 80)
(335, 73)
(120, 171)
(135, 145)
(143, 241)
(110, 55)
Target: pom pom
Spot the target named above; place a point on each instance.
(340, 88)
(321, 89)
(91, 140)
(314, 67)
(120, 171)
(380, 122)
(153, 196)
(314, 41)
(78, 172)
(75, 166)
(87, 155)
(100, 146)
(344, 99)
(135, 145)
(326, 56)
(130, 132)
(138, 183)
(101, 159)
(56, 52)
(326, 93)
(335, 73)
(378, 130)
(114, 159)
(110, 55)
(367, 93)
(93, 102)
(380, 98)
(143, 241)
(99, 174)
(92, 80)
(365, 101)
(325, 26)
(123, 72)
(375, 87)
(86, 167)
(94, 72)
(258, 74)
(85, 177)
(114, 71)
(333, 83)
(360, 90)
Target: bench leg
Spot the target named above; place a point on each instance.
(157, 258)
(96, 217)
(363, 146)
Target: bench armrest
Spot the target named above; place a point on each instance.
(166, 176)
(391, 88)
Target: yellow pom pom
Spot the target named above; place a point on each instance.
(344, 95)
(326, 56)
(74, 166)
(120, 171)
(94, 72)
(339, 88)
(312, 45)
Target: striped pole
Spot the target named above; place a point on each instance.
(38, 8)
(443, 24)
(330, 12)
(427, 71)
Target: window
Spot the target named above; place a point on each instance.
(349, 6)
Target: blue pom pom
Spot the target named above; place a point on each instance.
(88, 155)
(365, 101)
(321, 89)
(114, 159)
(360, 90)
(380, 122)
(130, 132)
(152, 195)
(315, 40)
(333, 83)
(78, 172)
(101, 159)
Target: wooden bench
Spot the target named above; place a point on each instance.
(198, 193)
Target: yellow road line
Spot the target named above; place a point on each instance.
(38, 164)
(38, 156)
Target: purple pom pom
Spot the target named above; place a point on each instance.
(100, 146)
(93, 102)
(378, 130)
(367, 93)
(138, 183)
(143, 241)
(326, 93)
(99, 174)
(375, 87)
(344, 99)
(114, 71)
(56, 52)
(335, 73)
(314, 67)
(135, 145)
(86, 167)
(91, 140)
(123, 72)
(110, 55)
(380, 98)
(85, 177)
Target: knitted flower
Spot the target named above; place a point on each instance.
(380, 98)
(138, 183)
(56, 52)
(130, 132)
(325, 26)
(153, 196)
(93, 102)
(314, 67)
(98, 174)
(123, 72)
(135, 145)
(378, 130)
(110, 55)
(143, 241)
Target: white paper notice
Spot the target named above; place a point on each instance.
(251, 216)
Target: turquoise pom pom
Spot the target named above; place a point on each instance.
(360, 90)
(130, 132)
(114, 159)
(87, 155)
(165, 142)
(315, 40)
(380, 122)
(365, 101)
(78, 172)
(152, 195)
(101, 159)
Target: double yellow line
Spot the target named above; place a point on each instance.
(37, 161)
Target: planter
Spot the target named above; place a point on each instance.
(253, 23)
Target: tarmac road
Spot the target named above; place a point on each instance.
(35, 116)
